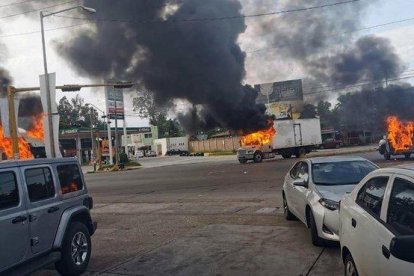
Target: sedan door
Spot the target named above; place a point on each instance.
(399, 217)
(14, 227)
(365, 224)
(298, 193)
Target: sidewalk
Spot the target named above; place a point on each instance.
(343, 151)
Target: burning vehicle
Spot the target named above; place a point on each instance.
(399, 138)
(31, 141)
(284, 137)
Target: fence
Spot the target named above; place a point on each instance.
(215, 145)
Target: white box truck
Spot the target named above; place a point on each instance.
(293, 137)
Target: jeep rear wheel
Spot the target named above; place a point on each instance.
(76, 250)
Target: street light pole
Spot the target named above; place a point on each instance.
(49, 101)
(48, 96)
(92, 140)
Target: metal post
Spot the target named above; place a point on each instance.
(93, 158)
(49, 101)
(116, 134)
(12, 122)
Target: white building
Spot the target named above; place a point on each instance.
(161, 146)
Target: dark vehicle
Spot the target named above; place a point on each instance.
(44, 217)
(331, 139)
(184, 153)
(179, 152)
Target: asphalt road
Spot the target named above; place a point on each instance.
(208, 217)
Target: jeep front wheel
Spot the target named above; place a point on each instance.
(76, 250)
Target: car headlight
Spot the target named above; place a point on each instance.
(329, 204)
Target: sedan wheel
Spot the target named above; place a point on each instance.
(350, 269)
(288, 215)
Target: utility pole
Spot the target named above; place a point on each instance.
(93, 159)
(49, 102)
(12, 122)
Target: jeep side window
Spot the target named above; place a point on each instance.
(70, 178)
(401, 207)
(39, 184)
(370, 197)
(9, 193)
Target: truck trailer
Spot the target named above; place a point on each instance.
(292, 138)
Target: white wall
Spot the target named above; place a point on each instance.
(160, 146)
(180, 143)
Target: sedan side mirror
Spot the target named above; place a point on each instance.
(402, 248)
(300, 183)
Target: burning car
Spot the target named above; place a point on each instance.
(399, 139)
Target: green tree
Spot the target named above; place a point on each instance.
(75, 113)
(146, 107)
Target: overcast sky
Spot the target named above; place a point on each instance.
(22, 54)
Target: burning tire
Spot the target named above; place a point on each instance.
(258, 157)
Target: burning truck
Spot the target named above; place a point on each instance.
(399, 139)
(284, 137)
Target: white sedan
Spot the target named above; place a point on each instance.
(313, 188)
(377, 224)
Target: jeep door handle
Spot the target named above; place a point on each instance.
(354, 223)
(52, 209)
(386, 252)
(19, 219)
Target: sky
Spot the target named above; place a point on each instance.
(22, 54)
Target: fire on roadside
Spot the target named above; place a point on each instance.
(36, 131)
(400, 134)
(260, 138)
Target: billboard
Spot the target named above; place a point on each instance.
(115, 103)
(283, 99)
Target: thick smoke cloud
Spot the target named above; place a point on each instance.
(200, 62)
(369, 59)
(319, 44)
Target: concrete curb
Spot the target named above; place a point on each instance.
(322, 154)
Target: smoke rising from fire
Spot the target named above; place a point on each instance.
(319, 44)
(200, 62)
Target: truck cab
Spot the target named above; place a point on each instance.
(255, 152)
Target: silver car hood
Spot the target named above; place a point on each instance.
(334, 192)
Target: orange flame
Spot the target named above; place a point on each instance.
(259, 138)
(7, 148)
(37, 130)
(400, 134)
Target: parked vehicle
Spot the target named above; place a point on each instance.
(293, 137)
(377, 224)
(313, 188)
(139, 154)
(179, 152)
(331, 139)
(184, 153)
(151, 153)
(44, 217)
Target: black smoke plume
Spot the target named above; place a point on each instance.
(198, 61)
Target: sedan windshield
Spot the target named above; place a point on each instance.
(341, 173)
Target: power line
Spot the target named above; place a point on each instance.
(213, 18)
(358, 30)
(354, 85)
(46, 30)
(36, 10)
(16, 3)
